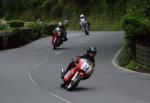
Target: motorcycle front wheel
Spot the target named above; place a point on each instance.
(74, 84)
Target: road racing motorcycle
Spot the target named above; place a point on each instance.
(83, 69)
(85, 26)
(56, 39)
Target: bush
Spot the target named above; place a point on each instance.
(136, 27)
(21, 36)
(137, 21)
(3, 26)
(32, 31)
(137, 30)
(16, 23)
(38, 29)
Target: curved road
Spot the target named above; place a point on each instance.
(31, 74)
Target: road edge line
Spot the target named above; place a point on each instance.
(114, 62)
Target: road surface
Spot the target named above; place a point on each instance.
(31, 74)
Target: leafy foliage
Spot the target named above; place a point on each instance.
(137, 21)
(125, 56)
(16, 23)
(3, 25)
(65, 9)
(137, 26)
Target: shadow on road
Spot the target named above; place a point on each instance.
(61, 48)
(78, 89)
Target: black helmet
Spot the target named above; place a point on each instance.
(92, 50)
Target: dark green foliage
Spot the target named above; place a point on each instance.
(57, 7)
(37, 28)
(56, 11)
(3, 26)
(16, 23)
(125, 56)
(137, 22)
(33, 4)
(12, 8)
(1, 9)
(66, 9)
(81, 2)
(137, 26)
(22, 36)
(48, 4)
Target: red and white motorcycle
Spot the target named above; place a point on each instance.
(56, 40)
(82, 70)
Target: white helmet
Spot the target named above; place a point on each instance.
(60, 24)
(57, 29)
(81, 15)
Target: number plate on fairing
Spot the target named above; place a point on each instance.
(86, 66)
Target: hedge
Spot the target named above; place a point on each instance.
(16, 23)
(22, 36)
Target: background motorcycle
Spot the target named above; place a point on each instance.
(56, 40)
(72, 78)
(85, 26)
(64, 36)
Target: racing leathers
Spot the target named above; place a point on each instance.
(73, 63)
(63, 33)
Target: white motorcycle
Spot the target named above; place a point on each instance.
(84, 26)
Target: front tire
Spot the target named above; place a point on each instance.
(62, 84)
(74, 84)
(70, 86)
(86, 30)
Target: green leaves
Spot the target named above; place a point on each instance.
(137, 22)
(137, 26)
(16, 23)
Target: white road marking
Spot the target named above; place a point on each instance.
(123, 68)
(32, 81)
(61, 98)
(40, 63)
(58, 53)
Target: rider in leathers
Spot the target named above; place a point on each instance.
(83, 18)
(57, 32)
(91, 52)
(63, 31)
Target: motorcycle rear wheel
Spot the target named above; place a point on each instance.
(54, 48)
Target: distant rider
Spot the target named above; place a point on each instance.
(57, 32)
(82, 19)
(63, 31)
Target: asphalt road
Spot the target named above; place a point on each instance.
(31, 74)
